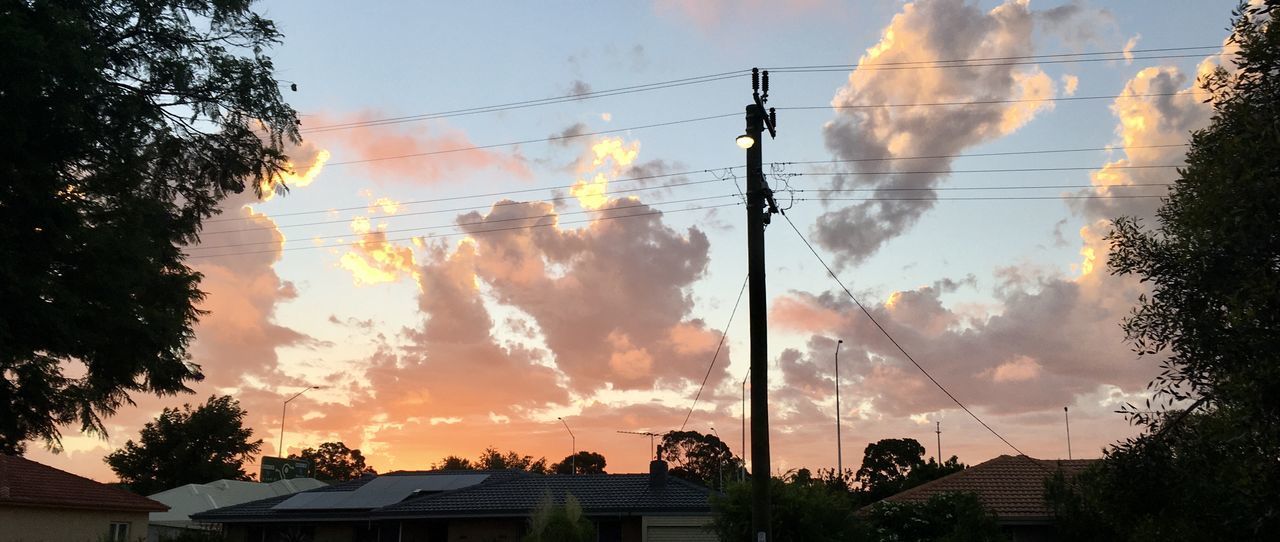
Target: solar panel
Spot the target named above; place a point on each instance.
(380, 491)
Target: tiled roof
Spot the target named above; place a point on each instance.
(263, 510)
(1012, 487)
(599, 494)
(26, 483)
(501, 494)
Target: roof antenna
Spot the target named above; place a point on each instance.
(650, 435)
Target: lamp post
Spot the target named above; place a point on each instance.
(839, 443)
(573, 459)
(742, 472)
(719, 461)
(283, 409)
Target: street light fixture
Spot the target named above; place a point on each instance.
(573, 459)
(284, 409)
(745, 141)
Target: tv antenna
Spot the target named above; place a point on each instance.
(651, 436)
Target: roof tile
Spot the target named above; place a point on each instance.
(1012, 487)
(26, 483)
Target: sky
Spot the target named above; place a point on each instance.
(459, 281)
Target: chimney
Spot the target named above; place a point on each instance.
(657, 473)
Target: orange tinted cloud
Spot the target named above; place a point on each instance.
(375, 144)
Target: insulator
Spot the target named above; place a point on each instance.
(773, 117)
(755, 79)
(764, 85)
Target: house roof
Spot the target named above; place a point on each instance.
(1012, 487)
(24, 482)
(599, 494)
(192, 498)
(320, 506)
(499, 494)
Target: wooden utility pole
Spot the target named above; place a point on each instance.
(760, 205)
(1067, 416)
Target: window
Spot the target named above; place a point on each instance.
(118, 531)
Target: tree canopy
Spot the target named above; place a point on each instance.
(699, 457)
(890, 466)
(125, 124)
(583, 462)
(1207, 466)
(492, 459)
(187, 446)
(334, 461)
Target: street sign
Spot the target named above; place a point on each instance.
(280, 468)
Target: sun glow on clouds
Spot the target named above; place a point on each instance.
(373, 259)
(611, 154)
(292, 178)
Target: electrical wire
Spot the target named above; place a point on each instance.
(980, 154)
(1000, 58)
(894, 341)
(463, 224)
(723, 333)
(882, 67)
(994, 102)
(479, 232)
(995, 198)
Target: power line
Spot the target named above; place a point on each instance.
(882, 67)
(529, 103)
(713, 77)
(689, 183)
(951, 171)
(472, 223)
(723, 333)
(995, 102)
(965, 188)
(454, 209)
(483, 195)
(999, 58)
(527, 141)
(981, 154)
(480, 232)
(993, 198)
(892, 340)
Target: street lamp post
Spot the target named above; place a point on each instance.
(283, 409)
(719, 461)
(573, 459)
(839, 443)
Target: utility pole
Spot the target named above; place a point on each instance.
(760, 205)
(939, 432)
(285, 409)
(742, 472)
(1067, 416)
(839, 443)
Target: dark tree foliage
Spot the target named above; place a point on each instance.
(334, 461)
(949, 517)
(581, 463)
(124, 124)
(699, 457)
(187, 446)
(453, 462)
(1211, 471)
(801, 511)
(553, 522)
(492, 459)
(890, 466)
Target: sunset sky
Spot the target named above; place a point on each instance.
(450, 298)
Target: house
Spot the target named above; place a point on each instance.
(1011, 487)
(40, 503)
(474, 506)
(192, 498)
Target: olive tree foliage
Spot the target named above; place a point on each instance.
(124, 124)
(1207, 466)
(187, 446)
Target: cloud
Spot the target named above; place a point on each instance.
(1129, 47)
(1078, 25)
(708, 15)
(373, 144)
(925, 32)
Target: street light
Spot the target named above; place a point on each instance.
(573, 459)
(839, 443)
(745, 141)
(719, 460)
(284, 409)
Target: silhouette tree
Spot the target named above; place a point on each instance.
(187, 446)
(698, 457)
(124, 124)
(584, 462)
(453, 462)
(335, 462)
(893, 465)
(492, 459)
